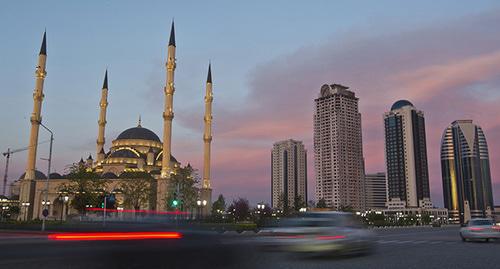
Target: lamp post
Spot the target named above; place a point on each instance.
(25, 205)
(64, 199)
(260, 207)
(203, 205)
(199, 209)
(3, 211)
(48, 171)
(46, 206)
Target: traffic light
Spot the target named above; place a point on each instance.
(175, 201)
(102, 204)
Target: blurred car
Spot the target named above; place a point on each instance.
(319, 233)
(480, 228)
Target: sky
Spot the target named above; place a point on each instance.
(269, 60)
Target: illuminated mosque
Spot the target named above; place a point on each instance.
(136, 149)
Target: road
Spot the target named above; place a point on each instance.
(422, 247)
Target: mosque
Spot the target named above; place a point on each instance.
(136, 149)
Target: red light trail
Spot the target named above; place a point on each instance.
(139, 211)
(331, 237)
(114, 236)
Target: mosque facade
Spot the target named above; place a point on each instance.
(136, 149)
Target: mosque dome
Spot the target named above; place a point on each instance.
(400, 104)
(123, 153)
(109, 175)
(38, 175)
(138, 133)
(55, 175)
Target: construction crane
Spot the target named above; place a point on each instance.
(7, 156)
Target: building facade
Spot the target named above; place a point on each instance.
(465, 169)
(338, 148)
(375, 190)
(406, 156)
(288, 175)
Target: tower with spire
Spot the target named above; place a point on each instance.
(27, 189)
(103, 104)
(168, 115)
(206, 191)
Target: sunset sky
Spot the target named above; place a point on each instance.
(269, 61)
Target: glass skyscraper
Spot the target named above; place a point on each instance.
(465, 168)
(406, 156)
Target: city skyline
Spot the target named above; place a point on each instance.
(75, 76)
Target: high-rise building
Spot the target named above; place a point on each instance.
(289, 174)
(406, 156)
(338, 148)
(465, 168)
(375, 190)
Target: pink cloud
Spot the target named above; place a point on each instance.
(427, 82)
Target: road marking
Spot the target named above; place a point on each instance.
(416, 242)
(387, 241)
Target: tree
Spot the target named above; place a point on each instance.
(240, 209)
(298, 203)
(137, 188)
(183, 184)
(219, 206)
(321, 203)
(426, 218)
(375, 219)
(86, 186)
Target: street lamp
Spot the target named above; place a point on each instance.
(64, 199)
(199, 208)
(25, 205)
(3, 211)
(260, 211)
(48, 171)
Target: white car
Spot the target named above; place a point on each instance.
(319, 233)
(480, 229)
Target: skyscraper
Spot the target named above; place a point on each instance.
(289, 174)
(406, 156)
(338, 148)
(465, 168)
(375, 190)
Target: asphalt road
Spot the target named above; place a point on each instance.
(397, 248)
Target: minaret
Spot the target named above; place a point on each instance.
(168, 115)
(27, 191)
(206, 191)
(207, 136)
(102, 120)
(36, 116)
